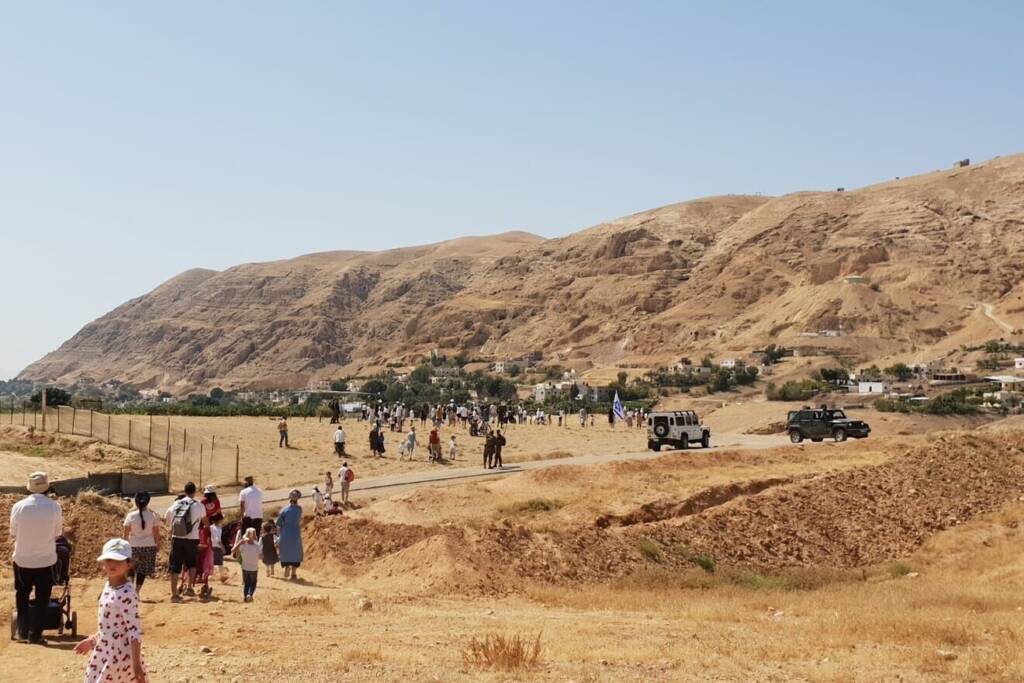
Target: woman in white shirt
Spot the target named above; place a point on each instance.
(142, 529)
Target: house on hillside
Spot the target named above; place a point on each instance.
(872, 386)
(1018, 363)
(1007, 382)
(728, 363)
(952, 376)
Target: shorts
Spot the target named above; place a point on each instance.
(184, 553)
(218, 557)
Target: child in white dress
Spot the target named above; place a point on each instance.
(117, 646)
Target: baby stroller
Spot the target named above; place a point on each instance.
(59, 616)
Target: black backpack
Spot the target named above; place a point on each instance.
(182, 524)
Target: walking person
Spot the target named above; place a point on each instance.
(339, 441)
(36, 522)
(488, 451)
(250, 502)
(499, 443)
(282, 431)
(185, 518)
(328, 486)
(452, 449)
(268, 548)
(318, 502)
(346, 476)
(248, 551)
(289, 525)
(410, 442)
(142, 530)
(116, 646)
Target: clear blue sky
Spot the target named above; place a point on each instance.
(141, 139)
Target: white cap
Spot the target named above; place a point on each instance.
(116, 549)
(38, 482)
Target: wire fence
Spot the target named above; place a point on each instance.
(183, 456)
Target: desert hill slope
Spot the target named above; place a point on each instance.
(905, 269)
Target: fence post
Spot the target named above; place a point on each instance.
(200, 464)
(168, 442)
(43, 395)
(213, 443)
(237, 480)
(90, 422)
(151, 435)
(108, 429)
(129, 432)
(74, 414)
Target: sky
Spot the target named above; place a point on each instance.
(138, 140)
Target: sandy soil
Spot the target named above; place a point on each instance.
(61, 456)
(935, 594)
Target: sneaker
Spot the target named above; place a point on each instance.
(191, 592)
(176, 598)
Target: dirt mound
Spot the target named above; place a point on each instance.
(90, 520)
(706, 499)
(347, 543)
(857, 517)
(769, 429)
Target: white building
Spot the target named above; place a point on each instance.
(1007, 382)
(1018, 363)
(728, 363)
(872, 387)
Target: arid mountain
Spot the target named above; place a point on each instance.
(908, 269)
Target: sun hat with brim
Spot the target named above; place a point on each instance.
(116, 549)
(209, 489)
(38, 482)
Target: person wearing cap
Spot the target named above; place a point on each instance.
(117, 646)
(250, 502)
(142, 529)
(36, 522)
(185, 542)
(248, 551)
(289, 524)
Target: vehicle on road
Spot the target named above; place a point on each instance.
(818, 424)
(677, 429)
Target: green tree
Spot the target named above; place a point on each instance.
(339, 385)
(515, 371)
(216, 393)
(421, 375)
(375, 387)
(54, 397)
(900, 371)
(623, 377)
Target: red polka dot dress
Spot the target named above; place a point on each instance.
(119, 625)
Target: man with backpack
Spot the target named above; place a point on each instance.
(346, 476)
(184, 518)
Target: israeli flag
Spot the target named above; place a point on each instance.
(617, 409)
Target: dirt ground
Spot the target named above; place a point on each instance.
(61, 456)
(880, 560)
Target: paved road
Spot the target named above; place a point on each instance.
(439, 475)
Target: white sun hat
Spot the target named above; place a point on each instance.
(116, 549)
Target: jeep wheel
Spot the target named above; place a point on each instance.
(795, 436)
(683, 442)
(656, 446)
(705, 440)
(840, 434)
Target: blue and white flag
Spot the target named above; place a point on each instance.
(617, 409)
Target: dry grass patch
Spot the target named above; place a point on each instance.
(531, 505)
(503, 653)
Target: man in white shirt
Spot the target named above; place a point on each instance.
(250, 502)
(185, 539)
(339, 442)
(36, 522)
(345, 476)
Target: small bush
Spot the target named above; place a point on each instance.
(532, 505)
(705, 562)
(503, 653)
(649, 549)
(898, 569)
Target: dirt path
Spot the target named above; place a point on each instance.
(989, 311)
(440, 475)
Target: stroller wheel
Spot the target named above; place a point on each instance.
(14, 624)
(74, 624)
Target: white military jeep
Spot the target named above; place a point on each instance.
(678, 429)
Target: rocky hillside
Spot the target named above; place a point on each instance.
(908, 269)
